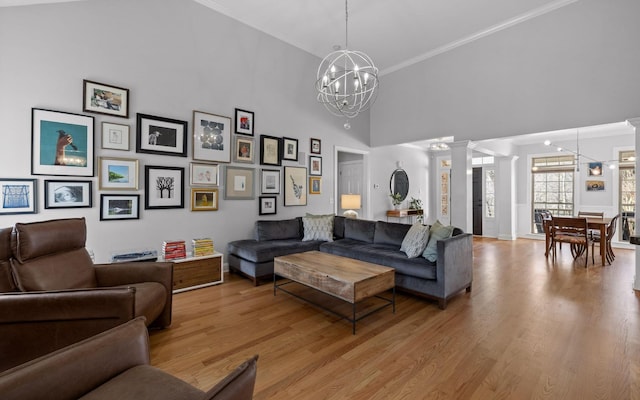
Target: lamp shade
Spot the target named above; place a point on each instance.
(350, 201)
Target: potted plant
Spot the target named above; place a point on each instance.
(416, 204)
(396, 199)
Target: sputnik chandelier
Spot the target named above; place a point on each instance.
(347, 80)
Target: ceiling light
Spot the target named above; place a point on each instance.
(347, 80)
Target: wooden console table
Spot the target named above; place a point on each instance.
(196, 272)
(404, 213)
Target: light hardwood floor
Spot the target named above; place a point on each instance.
(530, 329)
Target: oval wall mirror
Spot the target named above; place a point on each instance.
(399, 183)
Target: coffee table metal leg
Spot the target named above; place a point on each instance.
(274, 284)
(393, 299)
(354, 318)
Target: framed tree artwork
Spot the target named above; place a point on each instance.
(164, 187)
(211, 137)
(294, 181)
(62, 143)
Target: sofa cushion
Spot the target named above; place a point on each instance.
(264, 251)
(436, 232)
(144, 382)
(150, 299)
(415, 240)
(318, 227)
(68, 270)
(390, 233)
(359, 229)
(278, 230)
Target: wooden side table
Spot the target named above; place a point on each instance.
(197, 272)
(404, 213)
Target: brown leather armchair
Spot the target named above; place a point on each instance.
(52, 295)
(114, 365)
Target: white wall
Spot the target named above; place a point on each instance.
(576, 66)
(175, 57)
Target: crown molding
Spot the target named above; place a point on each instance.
(536, 12)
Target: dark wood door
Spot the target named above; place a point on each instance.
(477, 201)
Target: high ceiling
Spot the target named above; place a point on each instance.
(393, 33)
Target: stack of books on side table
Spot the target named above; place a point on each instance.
(202, 247)
(174, 249)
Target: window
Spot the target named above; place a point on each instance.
(490, 193)
(553, 186)
(627, 197)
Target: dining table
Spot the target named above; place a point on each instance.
(594, 223)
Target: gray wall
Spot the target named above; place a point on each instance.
(175, 56)
(573, 67)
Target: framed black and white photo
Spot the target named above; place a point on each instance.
(239, 183)
(289, 149)
(164, 187)
(159, 135)
(204, 174)
(268, 205)
(270, 181)
(115, 136)
(67, 194)
(211, 137)
(119, 206)
(244, 122)
(105, 99)
(244, 150)
(62, 143)
(270, 150)
(19, 196)
(315, 146)
(315, 165)
(294, 181)
(118, 173)
(204, 199)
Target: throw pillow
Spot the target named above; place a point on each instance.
(437, 232)
(415, 240)
(318, 227)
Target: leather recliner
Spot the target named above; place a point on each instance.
(114, 365)
(52, 295)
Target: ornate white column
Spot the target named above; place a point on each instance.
(635, 122)
(506, 197)
(461, 186)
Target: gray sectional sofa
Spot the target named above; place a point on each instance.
(372, 241)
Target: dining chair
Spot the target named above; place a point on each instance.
(547, 224)
(611, 230)
(592, 214)
(573, 231)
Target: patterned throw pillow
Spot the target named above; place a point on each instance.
(318, 227)
(437, 232)
(415, 240)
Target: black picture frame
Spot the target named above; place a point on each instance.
(163, 187)
(268, 205)
(119, 206)
(159, 135)
(105, 99)
(62, 143)
(270, 153)
(245, 122)
(316, 146)
(68, 194)
(20, 196)
(315, 165)
(289, 149)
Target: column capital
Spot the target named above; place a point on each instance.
(462, 144)
(635, 122)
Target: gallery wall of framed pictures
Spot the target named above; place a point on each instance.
(63, 146)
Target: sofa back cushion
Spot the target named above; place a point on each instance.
(50, 255)
(338, 227)
(6, 280)
(359, 229)
(390, 233)
(278, 230)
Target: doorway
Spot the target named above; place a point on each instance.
(351, 178)
(477, 201)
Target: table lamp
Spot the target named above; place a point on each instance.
(350, 202)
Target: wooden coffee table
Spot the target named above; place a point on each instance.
(344, 278)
